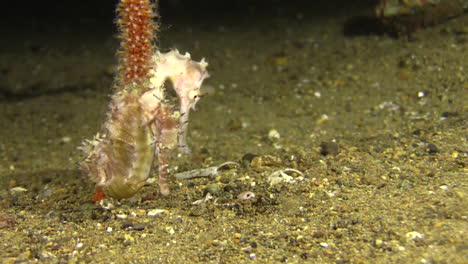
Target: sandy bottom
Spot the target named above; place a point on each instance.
(377, 126)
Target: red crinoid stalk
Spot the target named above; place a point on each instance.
(137, 35)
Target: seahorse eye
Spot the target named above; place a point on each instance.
(194, 95)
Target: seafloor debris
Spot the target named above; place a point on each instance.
(205, 199)
(205, 172)
(283, 176)
(246, 196)
(407, 16)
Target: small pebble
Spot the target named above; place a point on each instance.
(121, 216)
(212, 188)
(155, 212)
(247, 159)
(148, 197)
(234, 125)
(17, 190)
(127, 225)
(247, 249)
(170, 230)
(324, 245)
(65, 140)
(263, 163)
(378, 242)
(106, 204)
(273, 135)
(219, 243)
(413, 235)
(128, 240)
(446, 115)
(139, 226)
(329, 148)
(322, 120)
(432, 149)
(47, 192)
(151, 180)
